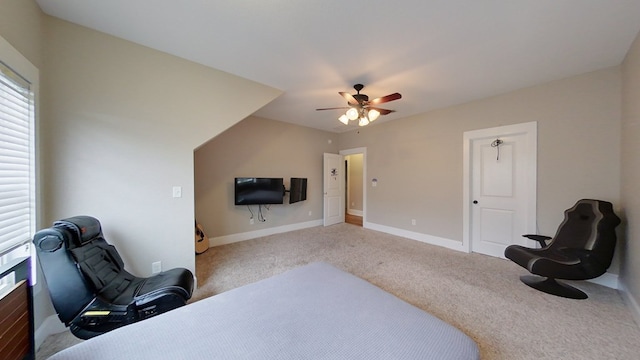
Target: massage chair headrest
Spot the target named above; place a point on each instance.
(84, 228)
(50, 240)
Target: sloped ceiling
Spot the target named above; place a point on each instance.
(436, 53)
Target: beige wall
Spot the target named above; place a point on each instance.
(418, 160)
(122, 125)
(21, 23)
(120, 122)
(118, 127)
(631, 170)
(354, 187)
(258, 147)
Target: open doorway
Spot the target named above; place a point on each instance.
(336, 204)
(354, 162)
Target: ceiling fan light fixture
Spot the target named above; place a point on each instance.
(352, 113)
(361, 108)
(373, 114)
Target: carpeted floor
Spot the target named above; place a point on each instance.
(478, 294)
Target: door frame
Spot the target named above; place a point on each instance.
(363, 151)
(530, 129)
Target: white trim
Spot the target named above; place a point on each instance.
(228, 239)
(425, 238)
(347, 187)
(354, 212)
(363, 151)
(50, 326)
(631, 301)
(607, 279)
(529, 128)
(22, 66)
(18, 62)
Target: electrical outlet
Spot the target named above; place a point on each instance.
(413, 221)
(156, 267)
(251, 222)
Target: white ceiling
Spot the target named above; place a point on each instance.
(436, 53)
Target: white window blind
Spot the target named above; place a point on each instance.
(17, 160)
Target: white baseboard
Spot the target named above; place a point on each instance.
(631, 302)
(228, 239)
(607, 279)
(425, 238)
(51, 325)
(354, 212)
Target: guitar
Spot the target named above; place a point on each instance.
(202, 240)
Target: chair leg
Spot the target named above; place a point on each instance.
(553, 287)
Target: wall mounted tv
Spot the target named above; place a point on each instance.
(298, 190)
(258, 191)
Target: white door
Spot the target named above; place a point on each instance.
(333, 189)
(502, 187)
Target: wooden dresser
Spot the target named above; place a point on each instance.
(16, 314)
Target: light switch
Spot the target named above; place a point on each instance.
(177, 191)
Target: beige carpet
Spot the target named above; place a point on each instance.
(478, 294)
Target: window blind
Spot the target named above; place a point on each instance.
(17, 160)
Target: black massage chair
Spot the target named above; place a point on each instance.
(89, 287)
(582, 249)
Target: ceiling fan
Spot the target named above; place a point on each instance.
(361, 108)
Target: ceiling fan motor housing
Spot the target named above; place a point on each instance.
(361, 98)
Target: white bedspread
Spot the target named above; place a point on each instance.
(312, 312)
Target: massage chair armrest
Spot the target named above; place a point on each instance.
(591, 261)
(542, 239)
(177, 281)
(99, 317)
(582, 254)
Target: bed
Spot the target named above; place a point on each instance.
(315, 311)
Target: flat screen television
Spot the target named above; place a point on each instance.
(258, 191)
(298, 190)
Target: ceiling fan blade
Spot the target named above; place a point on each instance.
(384, 99)
(335, 108)
(382, 111)
(350, 99)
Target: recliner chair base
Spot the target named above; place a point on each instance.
(99, 317)
(553, 287)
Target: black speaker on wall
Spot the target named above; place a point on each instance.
(298, 190)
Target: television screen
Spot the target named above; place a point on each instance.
(298, 191)
(258, 191)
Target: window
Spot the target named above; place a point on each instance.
(18, 88)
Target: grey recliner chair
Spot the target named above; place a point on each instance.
(582, 249)
(89, 287)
